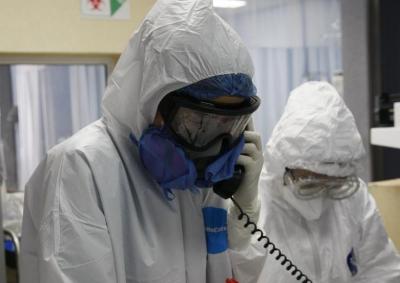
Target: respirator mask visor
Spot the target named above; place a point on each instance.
(199, 124)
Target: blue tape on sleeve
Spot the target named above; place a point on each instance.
(215, 222)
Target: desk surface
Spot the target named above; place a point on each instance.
(387, 196)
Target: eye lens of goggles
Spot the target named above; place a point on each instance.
(312, 187)
(199, 129)
(199, 124)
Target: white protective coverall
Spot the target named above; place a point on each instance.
(92, 212)
(348, 242)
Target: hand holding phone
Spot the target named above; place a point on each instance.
(244, 181)
(244, 188)
(251, 160)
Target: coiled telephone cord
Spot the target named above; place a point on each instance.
(281, 257)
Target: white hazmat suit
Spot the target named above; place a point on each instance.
(331, 241)
(92, 212)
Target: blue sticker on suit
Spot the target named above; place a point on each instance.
(215, 222)
(352, 263)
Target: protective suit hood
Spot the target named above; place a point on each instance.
(316, 132)
(178, 43)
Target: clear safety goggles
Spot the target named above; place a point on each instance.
(198, 124)
(336, 188)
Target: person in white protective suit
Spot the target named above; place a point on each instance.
(317, 211)
(128, 198)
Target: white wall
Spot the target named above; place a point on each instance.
(55, 26)
(357, 91)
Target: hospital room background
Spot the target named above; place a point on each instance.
(56, 56)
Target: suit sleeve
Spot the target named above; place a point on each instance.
(64, 234)
(247, 255)
(378, 259)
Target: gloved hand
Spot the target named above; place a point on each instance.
(252, 160)
(247, 194)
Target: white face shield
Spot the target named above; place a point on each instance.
(311, 187)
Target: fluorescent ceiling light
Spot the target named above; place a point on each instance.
(229, 3)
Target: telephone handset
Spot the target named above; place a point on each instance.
(226, 189)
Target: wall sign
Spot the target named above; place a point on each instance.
(111, 9)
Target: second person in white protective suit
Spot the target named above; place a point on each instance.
(129, 198)
(317, 211)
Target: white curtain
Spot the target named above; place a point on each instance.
(54, 101)
(290, 41)
(87, 85)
